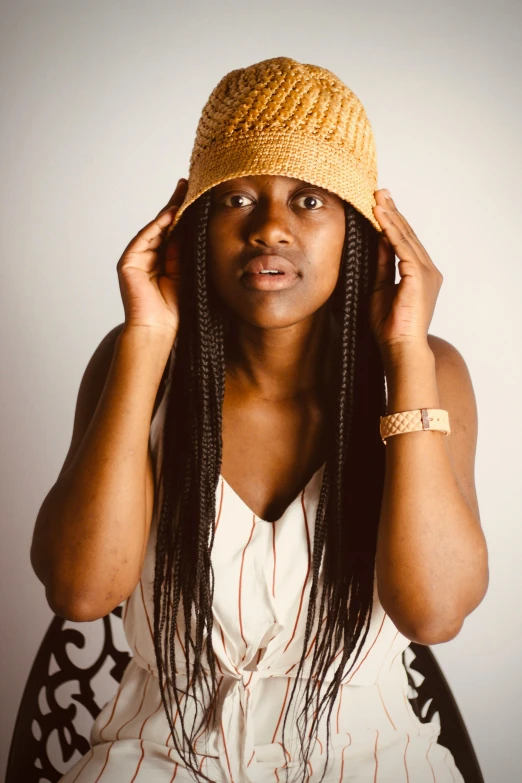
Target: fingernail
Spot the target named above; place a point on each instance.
(386, 193)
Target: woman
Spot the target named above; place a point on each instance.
(284, 549)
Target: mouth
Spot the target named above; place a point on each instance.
(269, 273)
(269, 281)
(270, 265)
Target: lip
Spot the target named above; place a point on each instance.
(269, 262)
(253, 278)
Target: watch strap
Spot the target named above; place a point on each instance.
(435, 419)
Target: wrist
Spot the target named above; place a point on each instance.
(149, 333)
(406, 355)
(155, 343)
(411, 379)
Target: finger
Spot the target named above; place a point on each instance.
(150, 237)
(385, 274)
(404, 240)
(170, 261)
(178, 195)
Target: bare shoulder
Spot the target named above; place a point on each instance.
(457, 396)
(440, 346)
(90, 390)
(98, 367)
(102, 356)
(452, 370)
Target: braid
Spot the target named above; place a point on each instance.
(349, 501)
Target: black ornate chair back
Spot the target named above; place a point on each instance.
(28, 756)
(53, 669)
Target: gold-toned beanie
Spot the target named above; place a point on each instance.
(283, 117)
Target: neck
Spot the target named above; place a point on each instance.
(282, 364)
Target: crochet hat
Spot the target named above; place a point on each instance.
(283, 117)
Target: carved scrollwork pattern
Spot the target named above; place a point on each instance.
(49, 738)
(432, 700)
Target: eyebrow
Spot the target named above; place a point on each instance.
(239, 180)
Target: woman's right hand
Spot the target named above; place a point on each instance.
(150, 294)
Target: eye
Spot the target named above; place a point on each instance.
(242, 198)
(237, 196)
(313, 197)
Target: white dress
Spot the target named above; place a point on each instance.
(262, 582)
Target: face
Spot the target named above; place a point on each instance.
(295, 226)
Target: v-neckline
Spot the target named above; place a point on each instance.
(287, 509)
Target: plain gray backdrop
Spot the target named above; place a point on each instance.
(100, 103)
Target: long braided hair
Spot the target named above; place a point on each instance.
(350, 496)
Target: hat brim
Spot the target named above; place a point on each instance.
(283, 155)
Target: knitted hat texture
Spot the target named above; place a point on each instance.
(283, 117)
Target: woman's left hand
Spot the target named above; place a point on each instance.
(400, 313)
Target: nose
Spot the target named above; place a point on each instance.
(270, 225)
